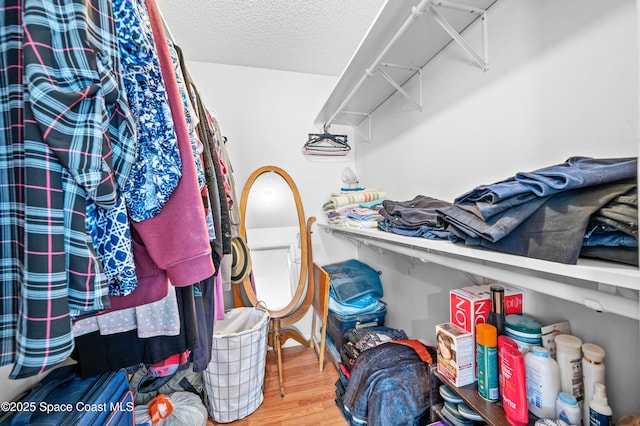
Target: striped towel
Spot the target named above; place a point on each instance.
(355, 198)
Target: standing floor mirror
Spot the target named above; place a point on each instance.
(274, 227)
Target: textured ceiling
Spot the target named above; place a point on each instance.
(311, 36)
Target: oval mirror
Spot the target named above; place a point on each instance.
(272, 222)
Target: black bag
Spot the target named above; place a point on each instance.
(64, 397)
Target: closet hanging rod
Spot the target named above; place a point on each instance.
(167, 30)
(416, 12)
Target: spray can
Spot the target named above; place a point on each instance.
(487, 361)
(497, 315)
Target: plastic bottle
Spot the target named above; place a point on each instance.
(487, 360)
(543, 382)
(599, 411)
(514, 395)
(497, 315)
(567, 409)
(569, 358)
(592, 372)
(503, 341)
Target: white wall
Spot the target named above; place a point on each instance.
(267, 115)
(563, 81)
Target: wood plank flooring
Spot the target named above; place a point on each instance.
(309, 393)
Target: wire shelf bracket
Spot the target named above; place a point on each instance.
(366, 116)
(417, 102)
(482, 61)
(425, 7)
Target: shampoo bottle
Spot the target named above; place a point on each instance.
(514, 392)
(599, 411)
(569, 358)
(592, 372)
(503, 341)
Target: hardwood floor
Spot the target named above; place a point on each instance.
(309, 393)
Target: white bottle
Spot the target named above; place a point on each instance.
(569, 358)
(543, 382)
(567, 409)
(592, 372)
(599, 411)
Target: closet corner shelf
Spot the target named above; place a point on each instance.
(403, 49)
(577, 283)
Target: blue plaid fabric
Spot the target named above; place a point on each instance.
(12, 168)
(67, 136)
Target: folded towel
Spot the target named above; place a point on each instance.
(354, 198)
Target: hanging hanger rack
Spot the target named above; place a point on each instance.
(326, 144)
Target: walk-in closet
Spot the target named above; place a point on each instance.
(271, 212)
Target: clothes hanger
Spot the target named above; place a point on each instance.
(326, 143)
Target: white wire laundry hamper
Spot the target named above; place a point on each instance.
(234, 378)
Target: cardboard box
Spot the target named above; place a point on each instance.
(471, 305)
(549, 333)
(456, 354)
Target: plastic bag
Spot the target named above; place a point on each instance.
(177, 409)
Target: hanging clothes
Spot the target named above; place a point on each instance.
(176, 239)
(98, 353)
(70, 139)
(216, 191)
(158, 166)
(189, 113)
(68, 152)
(161, 318)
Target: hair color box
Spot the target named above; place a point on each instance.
(469, 306)
(456, 354)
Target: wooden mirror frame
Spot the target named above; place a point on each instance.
(281, 320)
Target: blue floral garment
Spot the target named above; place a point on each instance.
(158, 168)
(111, 236)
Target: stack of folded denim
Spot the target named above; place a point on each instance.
(414, 218)
(612, 233)
(546, 213)
(355, 208)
